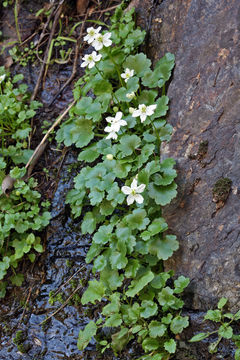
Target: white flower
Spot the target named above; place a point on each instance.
(115, 122)
(91, 59)
(102, 40)
(109, 156)
(143, 111)
(2, 77)
(133, 192)
(127, 74)
(92, 33)
(130, 95)
(112, 134)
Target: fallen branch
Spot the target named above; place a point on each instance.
(42, 73)
(8, 181)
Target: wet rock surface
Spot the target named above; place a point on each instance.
(204, 111)
(204, 94)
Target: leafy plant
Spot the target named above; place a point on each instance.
(224, 331)
(21, 215)
(118, 123)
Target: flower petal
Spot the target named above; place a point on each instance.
(126, 190)
(118, 116)
(136, 113)
(139, 199)
(130, 199)
(140, 188)
(143, 117)
(134, 184)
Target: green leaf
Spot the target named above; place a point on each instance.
(138, 284)
(121, 94)
(17, 279)
(120, 339)
(137, 220)
(167, 175)
(163, 248)
(237, 354)
(38, 248)
(118, 260)
(150, 344)
(132, 268)
(214, 315)
(89, 154)
(199, 337)
(139, 63)
(103, 235)
(89, 223)
(3, 285)
(168, 300)
(158, 225)
(170, 346)
(162, 194)
(113, 321)
(136, 329)
(99, 263)
(222, 302)
(85, 336)
(212, 348)
(180, 284)
(32, 257)
(82, 132)
(128, 144)
(156, 329)
(17, 173)
(179, 323)
(162, 107)
(225, 331)
(101, 86)
(111, 278)
(82, 106)
(160, 280)
(96, 196)
(161, 73)
(95, 291)
(147, 97)
(148, 309)
(237, 315)
(114, 306)
(167, 319)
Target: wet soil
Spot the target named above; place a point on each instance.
(54, 284)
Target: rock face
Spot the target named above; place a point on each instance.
(204, 111)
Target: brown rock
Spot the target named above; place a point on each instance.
(205, 101)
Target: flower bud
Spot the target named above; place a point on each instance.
(130, 95)
(115, 109)
(131, 110)
(109, 156)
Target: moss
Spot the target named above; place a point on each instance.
(221, 189)
(202, 149)
(19, 341)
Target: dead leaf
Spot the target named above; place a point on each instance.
(7, 184)
(82, 6)
(8, 61)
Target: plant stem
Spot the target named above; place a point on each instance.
(117, 68)
(16, 21)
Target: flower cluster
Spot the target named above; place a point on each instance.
(98, 41)
(143, 111)
(134, 192)
(115, 125)
(127, 74)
